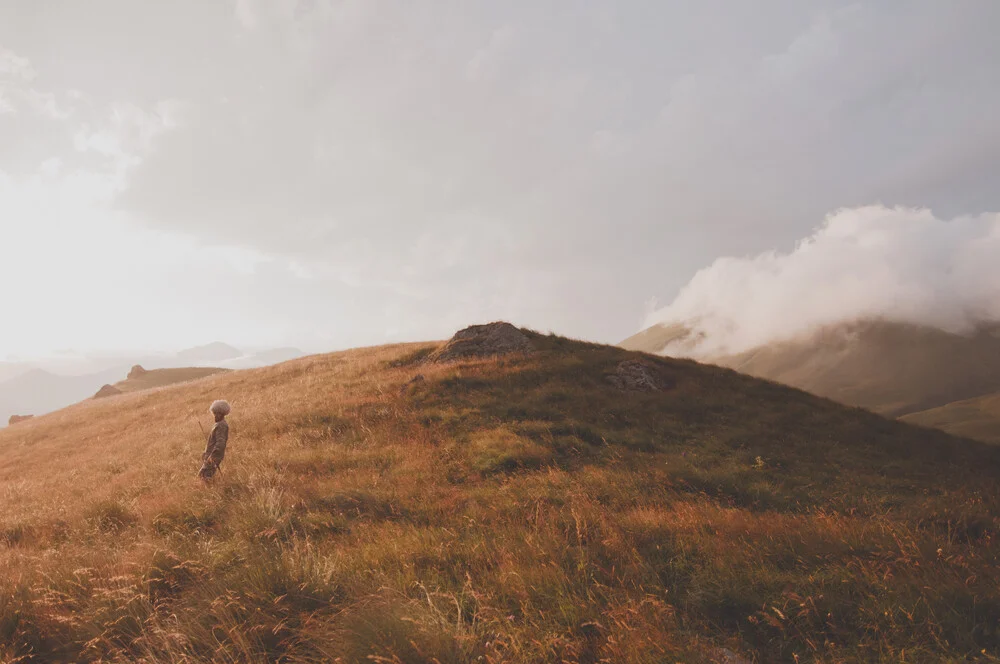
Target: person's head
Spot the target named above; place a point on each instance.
(220, 409)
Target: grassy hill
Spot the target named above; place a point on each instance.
(892, 368)
(498, 510)
(657, 337)
(152, 378)
(38, 391)
(977, 418)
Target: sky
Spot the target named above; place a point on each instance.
(329, 174)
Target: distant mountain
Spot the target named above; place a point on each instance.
(10, 370)
(977, 418)
(38, 391)
(213, 352)
(263, 358)
(657, 338)
(141, 379)
(892, 368)
(27, 389)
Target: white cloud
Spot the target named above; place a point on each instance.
(45, 103)
(489, 56)
(411, 166)
(104, 142)
(899, 264)
(14, 66)
(246, 14)
(51, 167)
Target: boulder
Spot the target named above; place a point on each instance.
(484, 341)
(636, 376)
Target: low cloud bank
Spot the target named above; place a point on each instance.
(897, 264)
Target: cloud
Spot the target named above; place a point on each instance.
(15, 66)
(592, 138)
(15, 70)
(246, 14)
(898, 264)
(127, 131)
(425, 163)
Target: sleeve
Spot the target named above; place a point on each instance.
(210, 446)
(221, 437)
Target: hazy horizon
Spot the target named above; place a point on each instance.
(329, 174)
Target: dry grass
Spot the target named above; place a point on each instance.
(499, 511)
(154, 378)
(977, 418)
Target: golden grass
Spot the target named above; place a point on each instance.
(499, 511)
(155, 378)
(977, 418)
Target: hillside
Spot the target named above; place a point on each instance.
(977, 418)
(534, 508)
(31, 388)
(656, 338)
(891, 368)
(149, 379)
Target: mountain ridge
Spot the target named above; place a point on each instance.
(895, 369)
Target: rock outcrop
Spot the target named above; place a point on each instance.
(484, 341)
(14, 419)
(636, 376)
(136, 371)
(107, 391)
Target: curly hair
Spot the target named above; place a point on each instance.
(220, 408)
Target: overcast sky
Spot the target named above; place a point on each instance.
(331, 174)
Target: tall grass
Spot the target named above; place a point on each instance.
(498, 511)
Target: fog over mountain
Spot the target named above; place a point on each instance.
(901, 265)
(329, 174)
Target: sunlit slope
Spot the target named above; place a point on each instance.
(518, 510)
(977, 418)
(656, 337)
(891, 368)
(149, 379)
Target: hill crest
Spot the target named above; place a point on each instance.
(519, 508)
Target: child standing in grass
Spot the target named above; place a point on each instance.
(215, 451)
